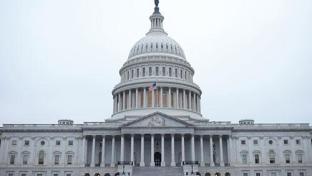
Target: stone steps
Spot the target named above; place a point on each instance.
(157, 171)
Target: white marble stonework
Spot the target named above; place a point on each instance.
(156, 130)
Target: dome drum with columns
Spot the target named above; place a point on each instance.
(156, 60)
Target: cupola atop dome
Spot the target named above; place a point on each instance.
(156, 41)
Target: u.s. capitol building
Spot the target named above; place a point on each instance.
(156, 129)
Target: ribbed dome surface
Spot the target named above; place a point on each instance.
(156, 42)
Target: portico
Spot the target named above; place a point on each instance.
(164, 142)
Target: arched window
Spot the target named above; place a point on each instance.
(41, 157)
(271, 157)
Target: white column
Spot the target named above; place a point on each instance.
(123, 100)
(177, 98)
(229, 141)
(136, 98)
(184, 100)
(190, 100)
(172, 151)
(142, 164)
(211, 150)
(130, 100)
(182, 148)
(193, 147)
(221, 151)
(194, 102)
(199, 107)
(144, 97)
(83, 150)
(161, 97)
(152, 150)
(113, 152)
(202, 163)
(103, 152)
(119, 102)
(122, 148)
(153, 98)
(163, 150)
(132, 149)
(93, 151)
(169, 98)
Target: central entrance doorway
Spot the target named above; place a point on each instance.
(157, 159)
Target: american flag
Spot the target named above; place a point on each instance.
(152, 87)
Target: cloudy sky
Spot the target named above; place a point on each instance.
(60, 58)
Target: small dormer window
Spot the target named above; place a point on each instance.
(298, 142)
(270, 142)
(26, 142)
(70, 142)
(42, 143)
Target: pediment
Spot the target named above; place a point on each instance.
(157, 120)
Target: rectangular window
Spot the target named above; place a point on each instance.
(243, 142)
(68, 174)
(55, 174)
(10, 174)
(285, 142)
(245, 174)
(176, 72)
(244, 158)
(299, 157)
(57, 142)
(23, 174)
(170, 72)
(137, 72)
(143, 72)
(150, 71)
(57, 159)
(298, 141)
(69, 159)
(70, 142)
(26, 142)
(255, 142)
(25, 159)
(257, 158)
(288, 173)
(12, 159)
(258, 174)
(163, 71)
(39, 175)
(14, 142)
(301, 174)
(157, 71)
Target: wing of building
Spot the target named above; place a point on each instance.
(156, 129)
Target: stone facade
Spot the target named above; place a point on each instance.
(156, 128)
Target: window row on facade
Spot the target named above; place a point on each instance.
(271, 142)
(166, 71)
(39, 173)
(156, 47)
(272, 157)
(26, 158)
(41, 143)
(163, 97)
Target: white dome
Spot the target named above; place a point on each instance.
(156, 42)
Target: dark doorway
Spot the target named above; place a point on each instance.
(157, 159)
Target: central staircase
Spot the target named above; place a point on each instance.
(157, 171)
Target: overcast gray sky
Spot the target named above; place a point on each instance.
(60, 58)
